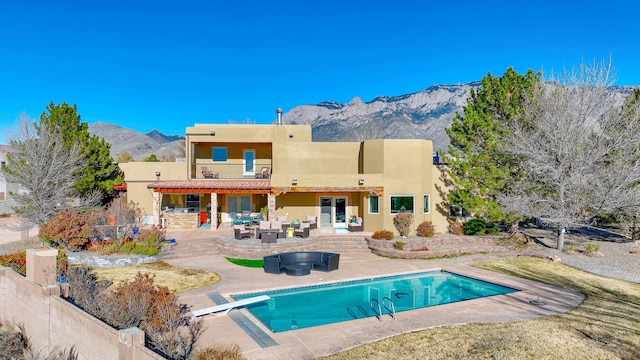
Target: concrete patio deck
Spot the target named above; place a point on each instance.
(323, 340)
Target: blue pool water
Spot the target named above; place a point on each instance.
(309, 306)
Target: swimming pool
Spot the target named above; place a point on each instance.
(303, 307)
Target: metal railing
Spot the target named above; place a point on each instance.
(260, 170)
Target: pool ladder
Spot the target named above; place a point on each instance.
(391, 310)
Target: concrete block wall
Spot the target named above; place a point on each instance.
(51, 321)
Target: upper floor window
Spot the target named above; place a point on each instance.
(426, 207)
(219, 154)
(401, 203)
(373, 204)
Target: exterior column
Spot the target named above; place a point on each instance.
(214, 211)
(156, 207)
(271, 204)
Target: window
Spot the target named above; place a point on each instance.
(249, 162)
(401, 203)
(193, 202)
(219, 154)
(373, 204)
(426, 207)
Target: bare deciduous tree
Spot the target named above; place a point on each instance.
(45, 168)
(578, 153)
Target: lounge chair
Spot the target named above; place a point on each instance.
(264, 173)
(208, 174)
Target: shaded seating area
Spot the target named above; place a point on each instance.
(208, 174)
(301, 263)
(267, 228)
(356, 225)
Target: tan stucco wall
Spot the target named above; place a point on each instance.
(399, 166)
(140, 174)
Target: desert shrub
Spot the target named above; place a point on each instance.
(475, 227)
(68, 228)
(403, 222)
(570, 248)
(220, 351)
(168, 326)
(456, 228)
(382, 234)
(426, 229)
(400, 245)
(15, 344)
(592, 248)
(17, 261)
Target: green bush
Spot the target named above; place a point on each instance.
(475, 227)
(400, 245)
(426, 229)
(382, 234)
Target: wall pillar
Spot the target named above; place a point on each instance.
(271, 204)
(157, 201)
(214, 211)
(128, 339)
(41, 265)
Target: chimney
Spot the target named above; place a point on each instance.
(279, 112)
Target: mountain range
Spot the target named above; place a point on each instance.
(421, 115)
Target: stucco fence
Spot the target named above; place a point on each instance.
(50, 322)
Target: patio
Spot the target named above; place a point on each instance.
(312, 342)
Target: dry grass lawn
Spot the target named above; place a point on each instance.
(605, 326)
(175, 278)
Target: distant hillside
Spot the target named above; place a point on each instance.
(138, 145)
(421, 115)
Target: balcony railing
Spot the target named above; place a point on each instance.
(233, 171)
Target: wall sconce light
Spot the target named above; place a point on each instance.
(361, 182)
(294, 181)
(290, 135)
(213, 133)
(158, 175)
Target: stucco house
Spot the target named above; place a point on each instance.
(277, 170)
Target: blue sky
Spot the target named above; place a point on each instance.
(167, 65)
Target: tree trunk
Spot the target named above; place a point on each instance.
(513, 229)
(561, 232)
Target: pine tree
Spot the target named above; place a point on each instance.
(100, 172)
(477, 168)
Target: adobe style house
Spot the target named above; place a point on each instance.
(277, 170)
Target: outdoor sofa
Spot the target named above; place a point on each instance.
(300, 263)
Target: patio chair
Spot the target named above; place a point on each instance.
(208, 174)
(313, 224)
(302, 231)
(356, 225)
(284, 222)
(240, 232)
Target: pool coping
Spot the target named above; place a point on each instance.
(322, 340)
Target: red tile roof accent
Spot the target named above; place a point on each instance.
(261, 186)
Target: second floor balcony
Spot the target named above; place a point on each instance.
(256, 170)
